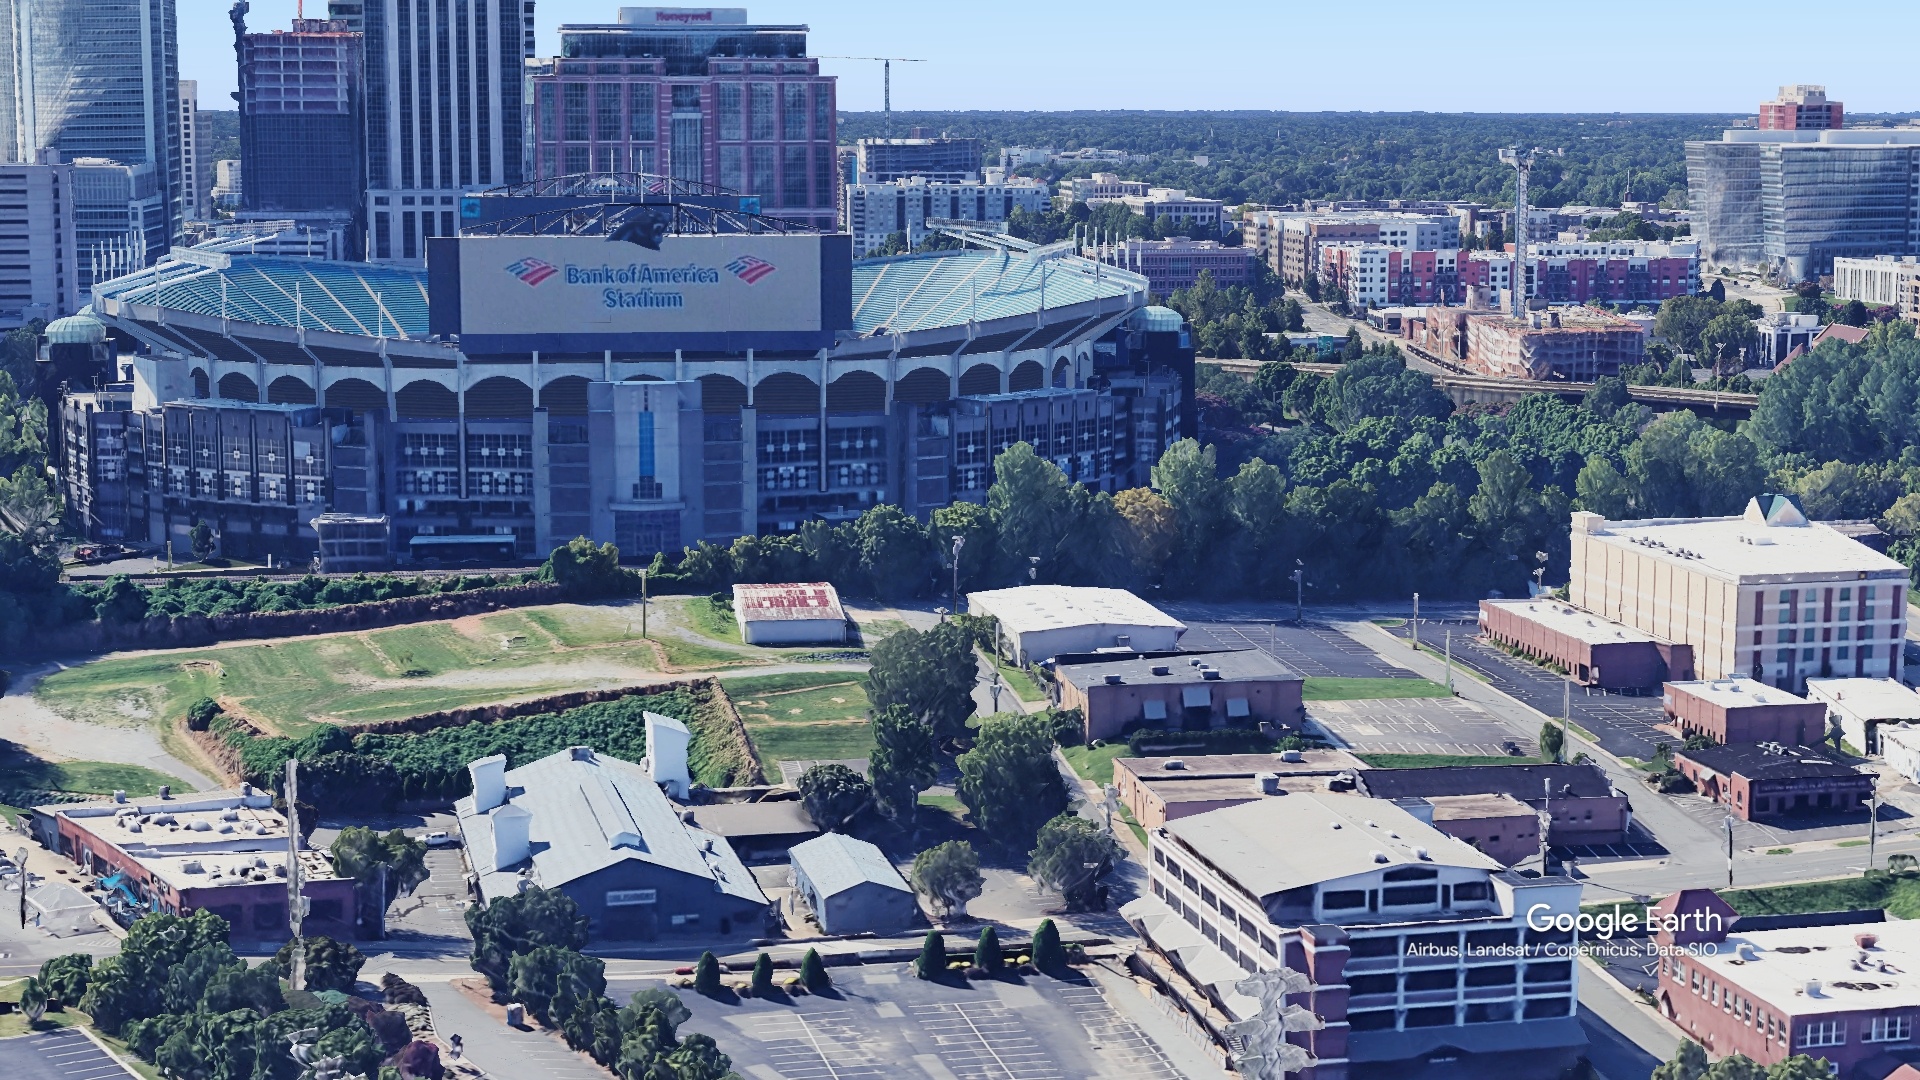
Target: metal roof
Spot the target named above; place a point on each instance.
(1233, 666)
(835, 862)
(590, 812)
(1026, 609)
(952, 288)
(788, 603)
(344, 297)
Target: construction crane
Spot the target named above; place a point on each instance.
(1522, 162)
(886, 80)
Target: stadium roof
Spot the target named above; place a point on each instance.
(344, 297)
(950, 288)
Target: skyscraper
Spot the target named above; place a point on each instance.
(302, 127)
(196, 168)
(698, 95)
(443, 104)
(96, 79)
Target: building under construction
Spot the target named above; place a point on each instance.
(1570, 345)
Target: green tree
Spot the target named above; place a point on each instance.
(1048, 954)
(932, 963)
(973, 524)
(1354, 348)
(1608, 396)
(330, 964)
(948, 875)
(65, 976)
(364, 855)
(834, 795)
(585, 570)
(931, 673)
(986, 952)
(544, 977)
(1553, 740)
(201, 540)
(1009, 781)
(813, 972)
(1029, 503)
(33, 1001)
(706, 975)
(762, 984)
(892, 550)
(1731, 343)
(121, 601)
(255, 988)
(1682, 319)
(1735, 1067)
(1852, 313)
(1070, 857)
(904, 762)
(1798, 1067)
(1602, 489)
(1151, 531)
(521, 923)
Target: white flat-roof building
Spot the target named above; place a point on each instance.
(1859, 706)
(1042, 621)
(1769, 594)
(1900, 748)
(803, 614)
(1412, 941)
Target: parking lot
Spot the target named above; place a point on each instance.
(1315, 650)
(881, 1021)
(1622, 724)
(1416, 726)
(66, 1054)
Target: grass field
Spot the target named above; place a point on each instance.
(1018, 681)
(1335, 689)
(1423, 761)
(21, 772)
(351, 678)
(804, 715)
(1095, 764)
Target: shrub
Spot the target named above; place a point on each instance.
(200, 714)
(763, 976)
(1215, 741)
(986, 955)
(933, 956)
(813, 972)
(1048, 954)
(706, 975)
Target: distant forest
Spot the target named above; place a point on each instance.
(223, 133)
(1269, 157)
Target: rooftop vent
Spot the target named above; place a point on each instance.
(1333, 825)
(1114, 680)
(192, 866)
(1162, 669)
(1379, 856)
(1866, 941)
(1210, 673)
(1267, 783)
(1174, 764)
(202, 826)
(280, 870)
(580, 753)
(1292, 755)
(1746, 951)
(1372, 824)
(1813, 987)
(1421, 854)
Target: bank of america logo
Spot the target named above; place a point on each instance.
(533, 271)
(749, 269)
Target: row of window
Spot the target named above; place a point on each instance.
(1867, 633)
(1891, 1028)
(629, 112)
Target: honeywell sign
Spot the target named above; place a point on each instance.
(585, 293)
(662, 16)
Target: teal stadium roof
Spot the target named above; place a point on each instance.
(897, 295)
(344, 297)
(952, 288)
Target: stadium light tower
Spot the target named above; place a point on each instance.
(1522, 162)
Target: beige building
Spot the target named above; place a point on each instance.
(1768, 595)
(1881, 281)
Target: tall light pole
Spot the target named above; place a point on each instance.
(1299, 576)
(1416, 621)
(954, 599)
(1522, 162)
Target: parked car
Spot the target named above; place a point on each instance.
(439, 838)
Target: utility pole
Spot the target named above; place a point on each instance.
(1416, 621)
(1729, 851)
(643, 603)
(1873, 823)
(1299, 576)
(296, 895)
(1449, 660)
(954, 597)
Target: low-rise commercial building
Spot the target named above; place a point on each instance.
(1175, 206)
(1900, 748)
(1156, 790)
(1036, 622)
(1574, 345)
(1736, 711)
(1587, 648)
(1584, 806)
(225, 852)
(801, 614)
(1245, 688)
(1499, 826)
(1177, 263)
(1412, 944)
(850, 887)
(600, 830)
(1769, 594)
(1774, 780)
(1836, 992)
(1101, 187)
(1859, 707)
(1781, 333)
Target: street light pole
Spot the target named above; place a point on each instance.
(954, 599)
(1416, 621)
(1729, 824)
(643, 603)
(1299, 592)
(1873, 823)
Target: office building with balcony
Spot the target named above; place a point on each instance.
(915, 207)
(1768, 595)
(1882, 281)
(724, 103)
(444, 87)
(1412, 943)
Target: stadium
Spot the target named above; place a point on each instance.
(469, 412)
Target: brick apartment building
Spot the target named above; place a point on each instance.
(1584, 805)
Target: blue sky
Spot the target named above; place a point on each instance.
(1627, 55)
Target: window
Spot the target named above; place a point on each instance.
(793, 181)
(1822, 1033)
(574, 120)
(760, 119)
(640, 119)
(793, 111)
(729, 107)
(731, 176)
(1410, 895)
(761, 183)
(1889, 1029)
(1785, 637)
(822, 110)
(1472, 890)
(606, 111)
(1342, 899)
